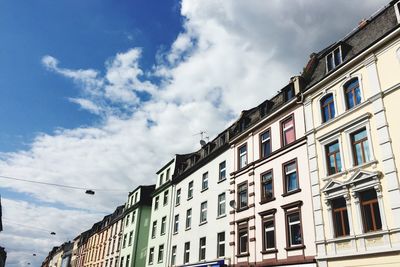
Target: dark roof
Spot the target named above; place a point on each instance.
(365, 35)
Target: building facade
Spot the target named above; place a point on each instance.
(200, 225)
(159, 235)
(136, 224)
(114, 236)
(353, 136)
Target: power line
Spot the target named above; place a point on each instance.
(61, 185)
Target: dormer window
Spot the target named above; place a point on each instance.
(334, 59)
(397, 10)
(289, 93)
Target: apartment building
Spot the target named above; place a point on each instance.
(200, 225)
(159, 235)
(136, 224)
(113, 235)
(270, 185)
(352, 129)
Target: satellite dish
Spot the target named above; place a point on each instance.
(232, 203)
(202, 142)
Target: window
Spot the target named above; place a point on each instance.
(121, 262)
(287, 129)
(291, 179)
(243, 239)
(242, 156)
(178, 197)
(128, 257)
(360, 146)
(370, 211)
(294, 229)
(289, 93)
(269, 232)
(151, 256)
(190, 190)
(173, 255)
(221, 204)
(156, 201)
(242, 195)
(334, 59)
(352, 93)
(127, 220)
(221, 244)
(188, 218)
(340, 218)
(124, 243)
(204, 183)
(202, 249)
(136, 196)
(161, 178)
(397, 10)
(167, 175)
(154, 229)
(130, 238)
(222, 171)
(327, 108)
(133, 216)
(267, 187)
(160, 253)
(265, 144)
(203, 212)
(186, 253)
(176, 223)
(334, 164)
(163, 222)
(165, 198)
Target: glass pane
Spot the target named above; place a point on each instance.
(295, 234)
(346, 223)
(338, 162)
(366, 151)
(332, 109)
(243, 242)
(338, 223)
(294, 218)
(338, 59)
(358, 156)
(270, 239)
(377, 215)
(292, 182)
(358, 95)
(360, 135)
(367, 218)
(350, 99)
(329, 61)
(290, 167)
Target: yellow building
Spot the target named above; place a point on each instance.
(353, 138)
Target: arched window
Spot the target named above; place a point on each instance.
(352, 93)
(327, 108)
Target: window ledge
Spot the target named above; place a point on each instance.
(175, 233)
(176, 205)
(202, 190)
(243, 255)
(189, 198)
(187, 229)
(268, 251)
(266, 200)
(202, 223)
(242, 209)
(291, 192)
(295, 247)
(222, 180)
(221, 216)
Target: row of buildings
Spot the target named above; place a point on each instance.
(308, 177)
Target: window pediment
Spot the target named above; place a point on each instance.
(363, 177)
(333, 186)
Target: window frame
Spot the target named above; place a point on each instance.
(332, 54)
(239, 207)
(285, 184)
(203, 219)
(173, 255)
(204, 181)
(328, 154)
(219, 243)
(290, 210)
(264, 199)
(163, 225)
(345, 91)
(268, 130)
(245, 154)
(178, 197)
(188, 221)
(341, 211)
(222, 170)
(267, 218)
(283, 131)
(202, 248)
(322, 106)
(190, 190)
(243, 228)
(154, 229)
(221, 204)
(176, 223)
(165, 197)
(370, 203)
(186, 253)
(354, 143)
(160, 256)
(156, 202)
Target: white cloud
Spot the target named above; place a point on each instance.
(231, 56)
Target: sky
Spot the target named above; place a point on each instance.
(101, 94)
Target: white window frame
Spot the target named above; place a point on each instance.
(220, 178)
(324, 143)
(201, 247)
(219, 243)
(242, 154)
(154, 229)
(188, 221)
(396, 8)
(178, 197)
(262, 141)
(221, 203)
(295, 162)
(163, 225)
(156, 202)
(204, 181)
(186, 251)
(203, 210)
(290, 228)
(160, 257)
(176, 223)
(173, 255)
(333, 57)
(343, 95)
(337, 113)
(266, 219)
(190, 190)
(165, 197)
(349, 132)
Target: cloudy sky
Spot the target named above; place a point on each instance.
(100, 94)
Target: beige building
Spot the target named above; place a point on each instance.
(353, 137)
(271, 223)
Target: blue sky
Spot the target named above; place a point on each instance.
(82, 34)
(81, 80)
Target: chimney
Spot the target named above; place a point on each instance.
(362, 23)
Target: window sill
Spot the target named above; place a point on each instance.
(189, 198)
(269, 251)
(176, 205)
(175, 233)
(242, 209)
(291, 192)
(266, 200)
(202, 223)
(335, 175)
(187, 229)
(242, 255)
(221, 216)
(222, 180)
(295, 247)
(204, 189)
(162, 234)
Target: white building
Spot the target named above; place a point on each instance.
(200, 226)
(159, 234)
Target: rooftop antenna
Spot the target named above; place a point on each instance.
(203, 136)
